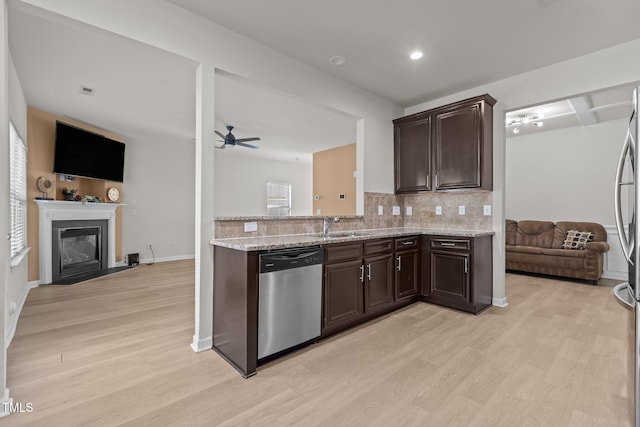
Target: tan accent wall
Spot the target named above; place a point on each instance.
(333, 175)
(41, 132)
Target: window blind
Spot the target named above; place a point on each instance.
(17, 191)
(278, 199)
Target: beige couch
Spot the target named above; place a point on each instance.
(536, 247)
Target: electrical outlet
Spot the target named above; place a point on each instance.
(438, 210)
(250, 226)
(409, 211)
(395, 210)
(380, 210)
(461, 210)
(486, 210)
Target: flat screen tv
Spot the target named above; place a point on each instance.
(87, 154)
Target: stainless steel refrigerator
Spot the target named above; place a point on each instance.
(626, 208)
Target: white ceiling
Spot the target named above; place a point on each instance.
(144, 92)
(580, 110)
(466, 43)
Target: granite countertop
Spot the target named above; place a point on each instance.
(283, 218)
(294, 240)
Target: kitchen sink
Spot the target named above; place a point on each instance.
(343, 234)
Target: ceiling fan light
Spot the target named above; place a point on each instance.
(538, 124)
(516, 130)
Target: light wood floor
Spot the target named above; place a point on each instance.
(115, 351)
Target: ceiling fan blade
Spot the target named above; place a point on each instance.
(219, 134)
(248, 139)
(242, 144)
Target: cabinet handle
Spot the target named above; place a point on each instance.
(369, 271)
(436, 181)
(399, 264)
(428, 181)
(466, 265)
(407, 243)
(362, 273)
(447, 244)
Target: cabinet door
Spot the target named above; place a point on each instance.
(343, 298)
(412, 151)
(458, 148)
(449, 275)
(407, 274)
(379, 282)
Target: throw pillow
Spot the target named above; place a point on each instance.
(577, 239)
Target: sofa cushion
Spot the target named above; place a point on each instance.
(564, 253)
(535, 233)
(577, 239)
(524, 249)
(562, 227)
(511, 229)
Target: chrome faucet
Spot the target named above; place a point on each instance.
(326, 224)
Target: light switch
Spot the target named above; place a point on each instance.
(461, 210)
(409, 211)
(438, 210)
(380, 210)
(250, 226)
(396, 210)
(318, 211)
(486, 210)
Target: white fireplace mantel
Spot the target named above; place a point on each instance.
(57, 210)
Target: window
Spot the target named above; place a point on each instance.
(278, 199)
(17, 191)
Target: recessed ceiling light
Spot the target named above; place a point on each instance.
(416, 55)
(338, 60)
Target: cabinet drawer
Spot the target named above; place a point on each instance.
(406, 243)
(378, 247)
(449, 243)
(348, 251)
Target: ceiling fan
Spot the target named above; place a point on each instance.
(231, 141)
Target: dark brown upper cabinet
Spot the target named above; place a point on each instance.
(446, 148)
(412, 154)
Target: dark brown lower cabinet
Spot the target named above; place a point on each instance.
(459, 272)
(358, 283)
(378, 282)
(343, 294)
(407, 268)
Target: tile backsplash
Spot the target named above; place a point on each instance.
(423, 208)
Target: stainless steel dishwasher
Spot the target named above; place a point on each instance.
(289, 299)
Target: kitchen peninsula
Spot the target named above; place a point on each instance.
(365, 274)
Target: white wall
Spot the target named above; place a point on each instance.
(240, 184)
(17, 288)
(619, 65)
(158, 190)
(564, 175)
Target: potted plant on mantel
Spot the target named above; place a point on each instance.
(69, 193)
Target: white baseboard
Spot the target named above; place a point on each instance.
(500, 302)
(13, 317)
(615, 275)
(166, 259)
(201, 344)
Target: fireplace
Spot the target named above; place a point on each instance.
(51, 211)
(78, 247)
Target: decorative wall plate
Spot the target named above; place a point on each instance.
(113, 194)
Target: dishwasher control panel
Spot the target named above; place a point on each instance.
(290, 258)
